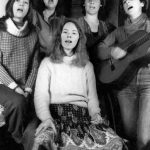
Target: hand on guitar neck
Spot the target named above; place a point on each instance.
(117, 53)
(126, 59)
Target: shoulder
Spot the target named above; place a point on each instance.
(2, 24)
(81, 21)
(36, 17)
(56, 21)
(46, 60)
(118, 31)
(89, 66)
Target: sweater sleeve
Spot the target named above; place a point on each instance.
(93, 102)
(104, 48)
(34, 68)
(5, 78)
(42, 91)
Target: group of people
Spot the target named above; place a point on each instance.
(53, 60)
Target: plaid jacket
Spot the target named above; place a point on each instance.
(18, 56)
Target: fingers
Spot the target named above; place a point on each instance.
(54, 128)
(45, 125)
(19, 91)
(39, 129)
(117, 53)
(52, 125)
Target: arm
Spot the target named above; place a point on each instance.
(42, 91)
(8, 81)
(93, 102)
(104, 48)
(42, 98)
(33, 69)
(5, 78)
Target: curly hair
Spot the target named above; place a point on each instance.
(79, 50)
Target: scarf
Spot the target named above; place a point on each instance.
(137, 24)
(12, 29)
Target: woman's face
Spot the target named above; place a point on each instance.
(92, 6)
(69, 38)
(133, 7)
(20, 9)
(50, 3)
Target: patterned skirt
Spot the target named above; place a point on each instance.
(75, 131)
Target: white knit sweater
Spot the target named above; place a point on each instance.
(65, 83)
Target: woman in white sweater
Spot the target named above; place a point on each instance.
(65, 99)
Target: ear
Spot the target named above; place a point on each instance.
(142, 4)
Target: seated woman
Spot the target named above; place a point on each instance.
(66, 101)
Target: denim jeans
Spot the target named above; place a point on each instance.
(134, 101)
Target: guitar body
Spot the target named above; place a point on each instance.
(122, 70)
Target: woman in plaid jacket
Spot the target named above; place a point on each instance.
(18, 64)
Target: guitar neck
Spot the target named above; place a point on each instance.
(138, 42)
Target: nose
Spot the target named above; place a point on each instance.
(68, 35)
(21, 2)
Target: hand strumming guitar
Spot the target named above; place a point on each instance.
(117, 53)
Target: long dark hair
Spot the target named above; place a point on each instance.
(9, 11)
(79, 50)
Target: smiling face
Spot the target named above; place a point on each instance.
(92, 6)
(50, 3)
(69, 38)
(20, 10)
(133, 8)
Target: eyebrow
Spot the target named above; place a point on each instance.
(72, 30)
(75, 30)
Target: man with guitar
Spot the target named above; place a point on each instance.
(128, 46)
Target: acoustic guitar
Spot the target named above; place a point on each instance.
(113, 71)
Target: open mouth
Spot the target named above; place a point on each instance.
(129, 8)
(19, 9)
(92, 7)
(68, 41)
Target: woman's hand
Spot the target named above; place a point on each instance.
(97, 119)
(118, 53)
(19, 91)
(45, 125)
